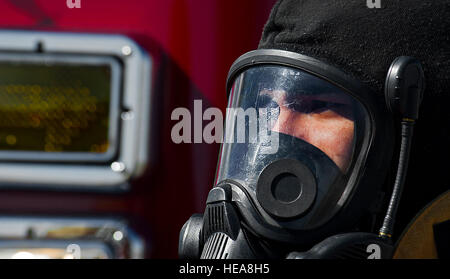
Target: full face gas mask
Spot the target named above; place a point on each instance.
(305, 153)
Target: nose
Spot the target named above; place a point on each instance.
(292, 123)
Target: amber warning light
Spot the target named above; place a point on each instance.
(54, 108)
(74, 109)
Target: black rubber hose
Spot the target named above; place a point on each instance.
(388, 223)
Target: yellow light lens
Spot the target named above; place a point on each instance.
(54, 107)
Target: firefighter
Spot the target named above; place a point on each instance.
(342, 87)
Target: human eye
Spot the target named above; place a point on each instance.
(318, 106)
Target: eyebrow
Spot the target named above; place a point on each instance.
(339, 98)
(331, 98)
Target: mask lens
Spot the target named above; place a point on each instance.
(277, 113)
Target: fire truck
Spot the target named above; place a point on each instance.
(88, 168)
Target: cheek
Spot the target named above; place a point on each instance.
(334, 137)
(344, 139)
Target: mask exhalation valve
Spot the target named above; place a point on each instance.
(286, 188)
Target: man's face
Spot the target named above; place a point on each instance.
(323, 120)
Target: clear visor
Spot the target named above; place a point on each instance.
(278, 112)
